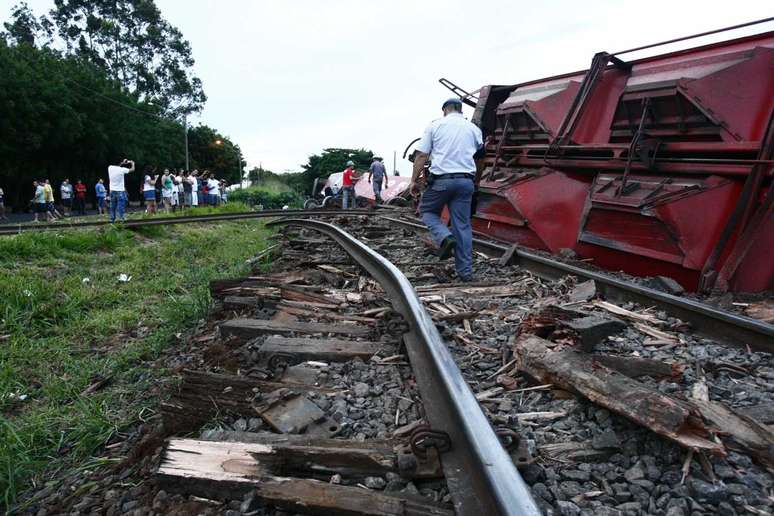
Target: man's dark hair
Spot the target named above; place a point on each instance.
(455, 107)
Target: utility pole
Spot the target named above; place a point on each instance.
(241, 173)
(394, 162)
(185, 128)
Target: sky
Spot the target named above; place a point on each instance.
(288, 79)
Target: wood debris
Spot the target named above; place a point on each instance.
(675, 419)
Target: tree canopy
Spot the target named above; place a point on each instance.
(71, 113)
(129, 39)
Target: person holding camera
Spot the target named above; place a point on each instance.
(118, 197)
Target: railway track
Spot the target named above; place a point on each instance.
(356, 377)
(728, 327)
(15, 229)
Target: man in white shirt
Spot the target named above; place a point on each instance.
(66, 191)
(194, 188)
(454, 144)
(118, 198)
(213, 190)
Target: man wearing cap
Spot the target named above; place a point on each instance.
(378, 173)
(348, 184)
(454, 145)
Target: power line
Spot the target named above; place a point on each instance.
(117, 102)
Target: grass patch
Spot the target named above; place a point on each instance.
(65, 318)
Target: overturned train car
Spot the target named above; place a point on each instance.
(660, 166)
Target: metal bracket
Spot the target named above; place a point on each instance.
(397, 326)
(515, 445)
(281, 361)
(424, 437)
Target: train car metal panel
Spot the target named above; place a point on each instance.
(661, 166)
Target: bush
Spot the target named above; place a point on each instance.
(254, 196)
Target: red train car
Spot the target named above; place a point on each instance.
(660, 166)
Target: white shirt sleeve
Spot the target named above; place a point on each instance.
(425, 145)
(479, 138)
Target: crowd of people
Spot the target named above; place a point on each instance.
(173, 189)
(167, 191)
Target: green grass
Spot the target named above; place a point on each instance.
(65, 318)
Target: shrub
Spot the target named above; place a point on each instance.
(255, 196)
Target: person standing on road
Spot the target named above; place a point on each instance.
(454, 145)
(80, 197)
(348, 184)
(174, 200)
(40, 206)
(213, 191)
(166, 190)
(2, 205)
(66, 192)
(186, 183)
(118, 199)
(50, 199)
(101, 192)
(378, 173)
(149, 193)
(193, 179)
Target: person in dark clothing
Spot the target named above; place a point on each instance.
(80, 197)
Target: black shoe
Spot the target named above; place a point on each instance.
(447, 246)
(466, 279)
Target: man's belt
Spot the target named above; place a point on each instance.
(459, 175)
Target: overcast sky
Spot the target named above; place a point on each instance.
(287, 79)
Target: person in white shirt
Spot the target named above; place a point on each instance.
(194, 188)
(149, 193)
(66, 191)
(456, 146)
(118, 197)
(213, 190)
(2, 205)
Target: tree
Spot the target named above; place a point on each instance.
(63, 117)
(136, 46)
(210, 150)
(24, 28)
(261, 175)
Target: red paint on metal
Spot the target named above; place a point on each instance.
(705, 115)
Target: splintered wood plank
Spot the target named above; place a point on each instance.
(327, 350)
(249, 328)
(230, 470)
(763, 412)
(670, 417)
(202, 396)
(314, 457)
(382, 453)
(242, 302)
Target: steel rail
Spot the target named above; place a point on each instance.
(705, 320)
(14, 229)
(480, 474)
(693, 36)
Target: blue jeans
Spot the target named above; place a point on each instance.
(348, 193)
(377, 189)
(457, 194)
(117, 205)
